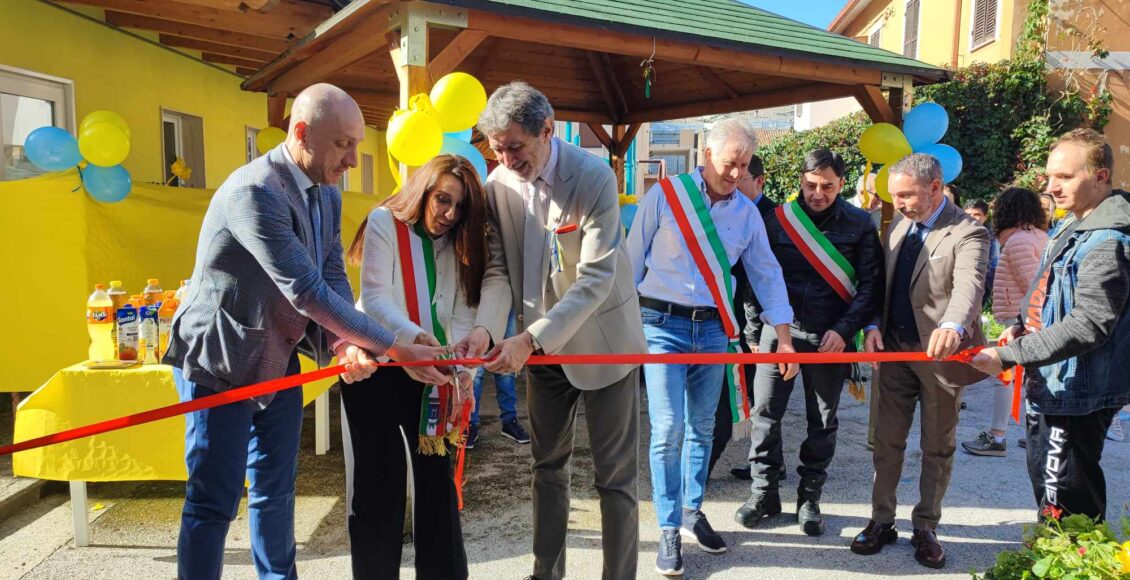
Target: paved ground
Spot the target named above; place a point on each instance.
(134, 525)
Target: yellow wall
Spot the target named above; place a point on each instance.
(935, 30)
(115, 71)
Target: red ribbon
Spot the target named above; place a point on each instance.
(279, 384)
(1015, 375)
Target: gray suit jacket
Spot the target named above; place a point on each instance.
(947, 284)
(257, 284)
(590, 305)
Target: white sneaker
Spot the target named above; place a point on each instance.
(1115, 432)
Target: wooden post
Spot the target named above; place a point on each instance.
(408, 48)
(276, 110)
(616, 156)
(899, 101)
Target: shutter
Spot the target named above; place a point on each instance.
(910, 38)
(875, 38)
(984, 21)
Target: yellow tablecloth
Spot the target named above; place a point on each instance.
(77, 396)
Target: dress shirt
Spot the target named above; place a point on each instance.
(537, 192)
(664, 269)
(302, 180)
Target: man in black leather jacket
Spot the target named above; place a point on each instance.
(833, 295)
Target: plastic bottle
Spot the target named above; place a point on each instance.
(153, 293)
(148, 337)
(119, 297)
(128, 326)
(165, 321)
(100, 324)
(183, 288)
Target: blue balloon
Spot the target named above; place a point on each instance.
(107, 184)
(52, 149)
(948, 157)
(925, 125)
(464, 135)
(628, 215)
(453, 146)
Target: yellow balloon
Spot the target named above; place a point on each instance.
(268, 139)
(881, 184)
(104, 144)
(884, 143)
(104, 117)
(414, 137)
(458, 99)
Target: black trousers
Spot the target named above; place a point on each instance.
(823, 384)
(1064, 452)
(377, 410)
(723, 419)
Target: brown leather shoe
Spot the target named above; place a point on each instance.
(873, 538)
(927, 549)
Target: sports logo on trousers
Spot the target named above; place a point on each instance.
(1053, 465)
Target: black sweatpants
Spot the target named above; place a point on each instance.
(377, 409)
(1064, 452)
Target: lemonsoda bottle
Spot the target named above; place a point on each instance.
(153, 292)
(119, 297)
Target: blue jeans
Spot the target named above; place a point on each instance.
(682, 401)
(222, 445)
(504, 389)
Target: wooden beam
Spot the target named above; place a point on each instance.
(605, 84)
(713, 79)
(625, 140)
(874, 104)
(236, 5)
(606, 60)
(228, 59)
(774, 98)
(290, 19)
(276, 110)
(216, 48)
(602, 136)
(616, 158)
(454, 53)
(180, 29)
(641, 46)
(245, 72)
(581, 116)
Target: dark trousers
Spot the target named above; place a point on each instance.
(724, 418)
(613, 417)
(222, 446)
(823, 384)
(1063, 461)
(377, 411)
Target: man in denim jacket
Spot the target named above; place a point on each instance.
(1076, 327)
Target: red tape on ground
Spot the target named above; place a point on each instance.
(275, 385)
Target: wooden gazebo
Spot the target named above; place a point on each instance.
(587, 56)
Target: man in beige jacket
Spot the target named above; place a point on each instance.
(556, 256)
(936, 261)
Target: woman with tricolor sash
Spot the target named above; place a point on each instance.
(422, 254)
(688, 233)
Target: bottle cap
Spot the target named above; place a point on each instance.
(99, 286)
(115, 283)
(153, 281)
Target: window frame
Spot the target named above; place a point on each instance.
(35, 85)
(251, 149)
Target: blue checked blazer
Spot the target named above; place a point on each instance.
(258, 292)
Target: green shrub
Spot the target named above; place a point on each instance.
(784, 156)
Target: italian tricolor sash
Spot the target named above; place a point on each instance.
(820, 253)
(693, 217)
(418, 272)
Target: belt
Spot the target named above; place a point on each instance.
(699, 314)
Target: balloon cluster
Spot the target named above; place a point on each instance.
(439, 123)
(923, 127)
(103, 141)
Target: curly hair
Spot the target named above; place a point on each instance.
(1017, 207)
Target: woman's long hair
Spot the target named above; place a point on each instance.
(468, 235)
(1017, 207)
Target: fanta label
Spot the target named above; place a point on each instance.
(100, 315)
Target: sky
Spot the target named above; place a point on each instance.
(818, 13)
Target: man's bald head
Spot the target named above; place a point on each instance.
(325, 127)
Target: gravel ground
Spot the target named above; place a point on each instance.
(134, 525)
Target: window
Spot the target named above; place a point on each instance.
(182, 137)
(983, 28)
(910, 35)
(249, 146)
(664, 137)
(366, 173)
(676, 164)
(29, 101)
(876, 35)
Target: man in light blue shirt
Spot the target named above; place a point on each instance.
(680, 315)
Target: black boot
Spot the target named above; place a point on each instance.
(757, 508)
(809, 518)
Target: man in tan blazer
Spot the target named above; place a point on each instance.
(936, 262)
(556, 256)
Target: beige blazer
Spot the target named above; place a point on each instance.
(590, 305)
(947, 284)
